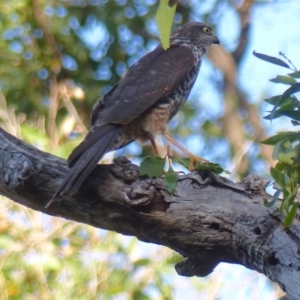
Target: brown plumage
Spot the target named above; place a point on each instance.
(142, 103)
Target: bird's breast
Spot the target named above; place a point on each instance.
(156, 120)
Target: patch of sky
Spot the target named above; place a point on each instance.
(96, 2)
(102, 2)
(151, 27)
(152, 43)
(83, 233)
(177, 18)
(20, 218)
(42, 73)
(103, 72)
(124, 34)
(150, 2)
(28, 55)
(131, 48)
(121, 2)
(134, 149)
(94, 34)
(38, 33)
(69, 62)
(141, 10)
(132, 61)
(10, 34)
(97, 54)
(16, 46)
(228, 29)
(80, 3)
(49, 10)
(61, 11)
(74, 23)
(121, 68)
(129, 13)
(206, 95)
(105, 89)
(152, 291)
(202, 7)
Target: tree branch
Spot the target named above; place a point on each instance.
(208, 219)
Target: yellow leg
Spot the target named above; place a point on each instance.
(193, 158)
(154, 147)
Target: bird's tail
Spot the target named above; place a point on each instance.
(84, 164)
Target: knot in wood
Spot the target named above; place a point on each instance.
(141, 193)
(16, 169)
(125, 170)
(255, 184)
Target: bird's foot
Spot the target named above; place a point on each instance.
(196, 159)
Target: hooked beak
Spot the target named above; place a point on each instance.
(216, 41)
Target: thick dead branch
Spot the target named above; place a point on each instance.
(208, 219)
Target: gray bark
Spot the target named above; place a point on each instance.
(208, 219)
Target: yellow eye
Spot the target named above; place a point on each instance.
(207, 30)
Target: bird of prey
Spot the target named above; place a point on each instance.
(142, 103)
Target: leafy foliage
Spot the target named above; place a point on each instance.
(171, 178)
(286, 173)
(153, 166)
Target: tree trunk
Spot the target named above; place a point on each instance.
(208, 219)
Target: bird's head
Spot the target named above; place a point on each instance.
(195, 33)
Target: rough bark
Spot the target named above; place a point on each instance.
(208, 219)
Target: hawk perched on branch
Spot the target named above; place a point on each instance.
(142, 103)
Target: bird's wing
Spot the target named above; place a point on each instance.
(153, 77)
(100, 105)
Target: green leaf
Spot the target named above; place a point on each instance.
(164, 18)
(295, 123)
(271, 59)
(6, 242)
(280, 137)
(49, 262)
(184, 161)
(152, 166)
(290, 215)
(278, 176)
(295, 74)
(287, 157)
(284, 80)
(142, 262)
(297, 159)
(284, 152)
(275, 100)
(216, 168)
(171, 179)
(293, 114)
(290, 91)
